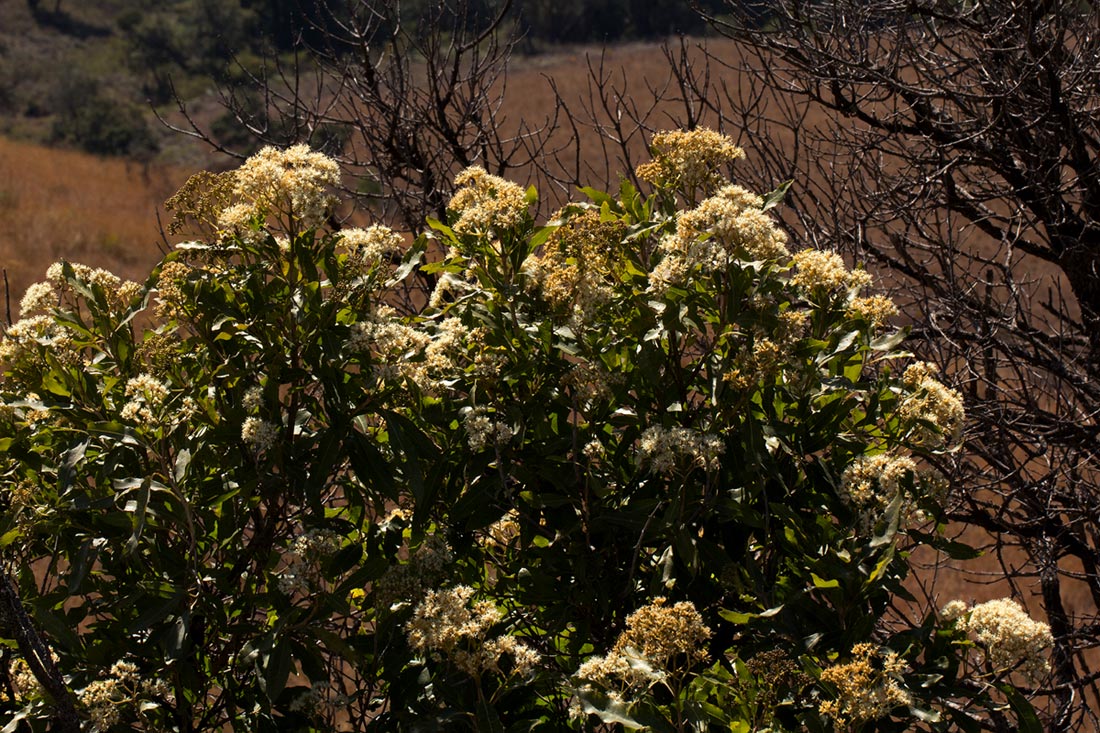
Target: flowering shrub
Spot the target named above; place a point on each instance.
(637, 467)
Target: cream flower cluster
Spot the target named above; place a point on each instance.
(259, 434)
(295, 182)
(427, 355)
(105, 700)
(819, 270)
(867, 687)
(23, 339)
(729, 226)
(575, 270)
(872, 482)
(1010, 637)
(668, 449)
(482, 431)
(367, 248)
(936, 410)
(485, 202)
(659, 640)
(689, 160)
(446, 623)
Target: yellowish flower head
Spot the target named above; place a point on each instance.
(866, 686)
(486, 203)
(689, 160)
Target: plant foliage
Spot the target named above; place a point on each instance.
(637, 467)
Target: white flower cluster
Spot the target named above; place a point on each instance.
(872, 482)
(659, 641)
(295, 182)
(1010, 637)
(819, 270)
(485, 202)
(936, 410)
(669, 449)
(427, 356)
(446, 623)
(147, 396)
(367, 248)
(725, 228)
(24, 339)
(482, 431)
(119, 292)
(259, 434)
(39, 297)
(105, 700)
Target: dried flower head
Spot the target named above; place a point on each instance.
(200, 200)
(664, 634)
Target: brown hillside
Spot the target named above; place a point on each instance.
(59, 204)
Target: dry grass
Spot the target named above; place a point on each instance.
(59, 204)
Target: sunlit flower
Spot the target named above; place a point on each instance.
(936, 410)
(368, 248)
(728, 227)
(39, 297)
(483, 431)
(448, 623)
(295, 181)
(876, 309)
(689, 160)
(819, 270)
(872, 482)
(259, 434)
(1009, 636)
(486, 202)
(659, 640)
(867, 687)
(575, 270)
